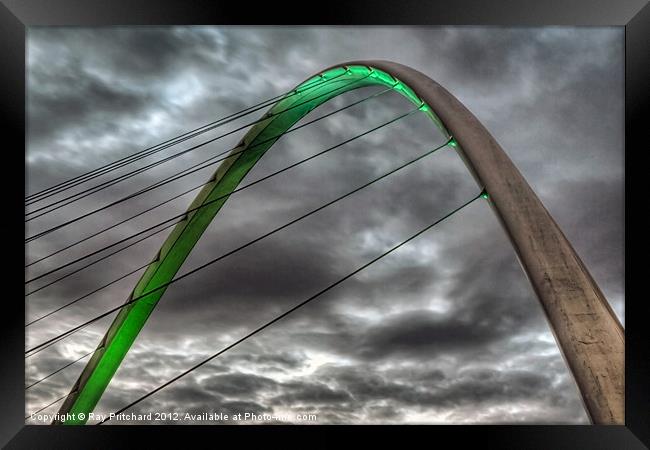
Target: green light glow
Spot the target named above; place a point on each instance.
(132, 318)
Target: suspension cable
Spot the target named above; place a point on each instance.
(82, 178)
(223, 256)
(54, 342)
(184, 214)
(79, 269)
(289, 311)
(169, 179)
(304, 216)
(375, 95)
(51, 374)
(45, 407)
(87, 295)
(110, 227)
(92, 190)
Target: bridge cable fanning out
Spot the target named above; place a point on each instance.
(92, 190)
(296, 307)
(103, 230)
(449, 142)
(107, 168)
(184, 215)
(408, 163)
(60, 369)
(291, 310)
(45, 407)
(59, 337)
(194, 168)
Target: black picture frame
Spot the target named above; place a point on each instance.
(16, 15)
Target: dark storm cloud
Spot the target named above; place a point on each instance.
(313, 394)
(52, 110)
(423, 333)
(446, 330)
(477, 386)
(237, 384)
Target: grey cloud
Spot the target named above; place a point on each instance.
(230, 385)
(422, 333)
(313, 394)
(446, 330)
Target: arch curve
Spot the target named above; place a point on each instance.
(590, 337)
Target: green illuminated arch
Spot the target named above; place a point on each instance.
(285, 113)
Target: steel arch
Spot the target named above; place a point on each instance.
(590, 337)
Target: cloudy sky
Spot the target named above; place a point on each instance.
(446, 330)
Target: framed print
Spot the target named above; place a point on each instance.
(373, 216)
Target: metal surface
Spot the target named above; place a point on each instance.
(586, 329)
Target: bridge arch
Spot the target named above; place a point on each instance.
(586, 329)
